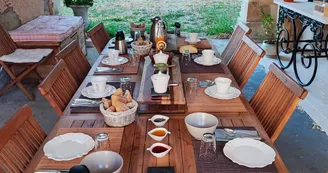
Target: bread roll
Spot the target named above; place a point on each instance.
(191, 49)
(118, 92)
(128, 96)
(121, 107)
(117, 100)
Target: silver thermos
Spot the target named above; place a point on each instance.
(120, 43)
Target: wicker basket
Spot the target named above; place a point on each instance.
(119, 119)
(142, 50)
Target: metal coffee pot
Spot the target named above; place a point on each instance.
(120, 43)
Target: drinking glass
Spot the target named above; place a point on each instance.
(207, 151)
(125, 84)
(192, 84)
(133, 57)
(185, 57)
(102, 142)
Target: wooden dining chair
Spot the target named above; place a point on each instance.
(75, 60)
(59, 87)
(235, 40)
(245, 60)
(276, 99)
(11, 56)
(99, 37)
(21, 138)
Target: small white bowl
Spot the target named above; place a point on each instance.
(159, 124)
(162, 154)
(199, 123)
(158, 138)
(103, 161)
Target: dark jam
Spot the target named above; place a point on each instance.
(159, 149)
(157, 120)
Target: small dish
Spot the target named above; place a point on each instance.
(89, 92)
(159, 150)
(200, 60)
(158, 134)
(108, 61)
(159, 120)
(231, 94)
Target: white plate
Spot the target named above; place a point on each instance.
(68, 146)
(249, 152)
(89, 92)
(200, 60)
(188, 40)
(108, 61)
(231, 94)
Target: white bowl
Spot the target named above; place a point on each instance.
(103, 161)
(199, 123)
(158, 124)
(162, 154)
(158, 138)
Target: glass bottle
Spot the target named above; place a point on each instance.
(160, 37)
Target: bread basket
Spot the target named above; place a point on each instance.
(119, 119)
(141, 50)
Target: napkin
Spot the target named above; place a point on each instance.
(222, 134)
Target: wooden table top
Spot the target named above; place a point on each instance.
(135, 139)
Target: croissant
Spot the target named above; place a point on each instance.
(107, 103)
(119, 92)
(121, 107)
(128, 96)
(118, 99)
(112, 109)
(131, 104)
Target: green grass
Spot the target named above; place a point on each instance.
(212, 17)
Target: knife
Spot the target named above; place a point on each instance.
(52, 171)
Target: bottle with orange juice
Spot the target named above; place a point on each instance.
(160, 37)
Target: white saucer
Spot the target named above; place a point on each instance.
(188, 40)
(108, 61)
(200, 61)
(89, 92)
(231, 94)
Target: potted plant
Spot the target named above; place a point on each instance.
(80, 8)
(269, 36)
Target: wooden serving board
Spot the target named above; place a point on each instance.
(115, 137)
(177, 97)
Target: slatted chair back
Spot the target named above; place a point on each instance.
(59, 87)
(235, 40)
(75, 60)
(99, 37)
(276, 99)
(7, 45)
(245, 60)
(21, 137)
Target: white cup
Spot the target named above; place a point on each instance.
(161, 58)
(222, 85)
(113, 55)
(208, 55)
(99, 83)
(193, 37)
(160, 82)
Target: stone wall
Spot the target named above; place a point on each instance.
(14, 13)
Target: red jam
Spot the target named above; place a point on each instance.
(159, 149)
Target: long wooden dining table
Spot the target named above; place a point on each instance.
(132, 140)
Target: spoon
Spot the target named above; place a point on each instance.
(206, 83)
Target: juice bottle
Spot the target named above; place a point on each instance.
(160, 37)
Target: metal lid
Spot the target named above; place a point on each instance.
(125, 79)
(102, 136)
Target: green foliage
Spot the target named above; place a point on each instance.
(213, 17)
(268, 25)
(78, 2)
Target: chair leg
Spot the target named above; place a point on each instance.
(17, 80)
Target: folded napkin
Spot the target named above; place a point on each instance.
(229, 133)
